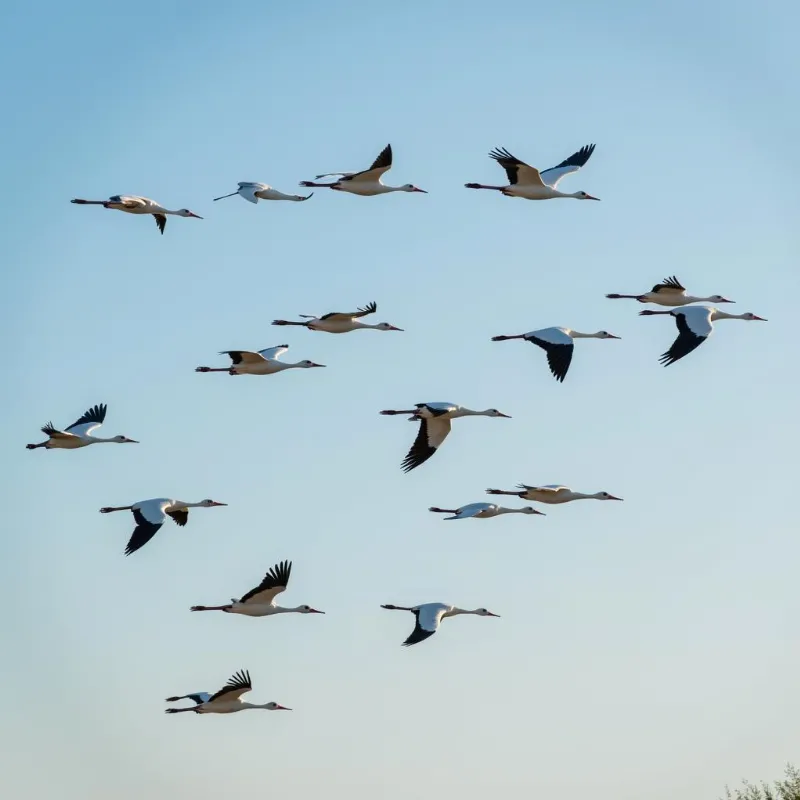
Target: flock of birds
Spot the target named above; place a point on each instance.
(694, 323)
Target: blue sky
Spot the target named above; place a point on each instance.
(646, 646)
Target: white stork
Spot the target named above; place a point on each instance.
(552, 493)
(558, 344)
(695, 325)
(260, 602)
(225, 701)
(434, 420)
(429, 615)
(150, 515)
(261, 362)
(366, 183)
(79, 434)
(134, 204)
(340, 321)
(527, 182)
(253, 192)
(670, 292)
(481, 511)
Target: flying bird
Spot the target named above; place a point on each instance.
(481, 511)
(225, 701)
(262, 362)
(260, 602)
(527, 182)
(340, 321)
(253, 192)
(429, 615)
(434, 420)
(150, 515)
(134, 204)
(552, 493)
(558, 344)
(367, 182)
(695, 325)
(670, 292)
(79, 434)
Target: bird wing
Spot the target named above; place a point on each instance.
(428, 618)
(432, 432)
(275, 581)
(234, 688)
(274, 353)
(559, 352)
(517, 171)
(370, 308)
(161, 221)
(248, 191)
(89, 421)
(693, 329)
(381, 164)
(179, 516)
(436, 409)
(243, 356)
(572, 164)
(55, 433)
(130, 200)
(669, 286)
(144, 531)
(472, 509)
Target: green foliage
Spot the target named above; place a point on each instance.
(787, 789)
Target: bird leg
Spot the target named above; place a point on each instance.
(225, 195)
(390, 607)
(210, 608)
(288, 322)
(501, 491)
(482, 186)
(394, 413)
(311, 183)
(109, 509)
(179, 710)
(649, 313)
(212, 369)
(34, 446)
(89, 202)
(437, 510)
(503, 338)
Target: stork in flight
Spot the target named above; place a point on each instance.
(80, 433)
(527, 182)
(670, 292)
(340, 321)
(253, 192)
(134, 204)
(695, 325)
(367, 182)
(482, 511)
(430, 615)
(260, 602)
(261, 362)
(552, 493)
(225, 701)
(150, 515)
(434, 426)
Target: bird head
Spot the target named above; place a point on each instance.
(184, 212)
(606, 496)
(309, 610)
(718, 298)
(209, 503)
(484, 612)
(385, 326)
(493, 412)
(531, 510)
(584, 196)
(125, 440)
(606, 335)
(308, 364)
(409, 187)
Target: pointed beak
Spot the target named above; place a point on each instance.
(316, 611)
(725, 300)
(392, 328)
(492, 615)
(420, 190)
(317, 365)
(611, 497)
(282, 708)
(590, 197)
(219, 504)
(611, 336)
(196, 216)
(131, 441)
(760, 319)
(505, 416)
(541, 513)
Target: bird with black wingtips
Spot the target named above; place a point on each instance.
(150, 515)
(226, 700)
(367, 182)
(340, 321)
(695, 325)
(552, 493)
(134, 204)
(80, 433)
(670, 292)
(558, 344)
(434, 420)
(260, 602)
(528, 183)
(259, 362)
(429, 616)
(482, 511)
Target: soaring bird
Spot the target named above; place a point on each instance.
(79, 434)
(552, 493)
(134, 204)
(253, 192)
(429, 615)
(340, 321)
(261, 362)
(225, 701)
(670, 292)
(481, 511)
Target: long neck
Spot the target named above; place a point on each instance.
(504, 510)
(100, 439)
(454, 612)
(284, 610)
(468, 412)
(181, 504)
(577, 335)
(255, 705)
(717, 314)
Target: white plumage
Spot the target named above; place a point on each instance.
(481, 511)
(670, 292)
(429, 617)
(80, 433)
(226, 701)
(135, 204)
(258, 362)
(552, 494)
(253, 192)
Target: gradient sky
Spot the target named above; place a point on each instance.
(646, 648)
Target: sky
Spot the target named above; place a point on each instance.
(644, 648)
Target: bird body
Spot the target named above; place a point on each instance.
(695, 325)
(261, 362)
(670, 292)
(434, 419)
(340, 322)
(225, 701)
(80, 433)
(528, 183)
(366, 183)
(430, 615)
(481, 511)
(253, 192)
(260, 601)
(134, 204)
(150, 515)
(558, 343)
(553, 494)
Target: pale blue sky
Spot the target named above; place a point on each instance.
(645, 649)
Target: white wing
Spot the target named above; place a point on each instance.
(438, 429)
(473, 509)
(85, 429)
(430, 615)
(551, 335)
(274, 353)
(552, 487)
(248, 191)
(569, 165)
(132, 200)
(153, 510)
(698, 318)
(442, 406)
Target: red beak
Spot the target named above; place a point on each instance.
(492, 615)
(589, 197)
(316, 365)
(760, 319)
(506, 416)
(611, 497)
(219, 504)
(315, 611)
(420, 190)
(282, 708)
(392, 328)
(196, 216)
